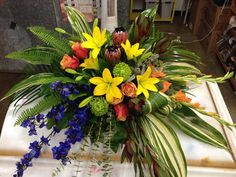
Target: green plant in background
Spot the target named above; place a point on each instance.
(118, 91)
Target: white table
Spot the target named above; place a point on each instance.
(203, 160)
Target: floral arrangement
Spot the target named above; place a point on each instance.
(119, 90)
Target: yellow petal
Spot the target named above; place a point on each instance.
(116, 91)
(149, 86)
(124, 46)
(96, 32)
(139, 52)
(146, 74)
(96, 80)
(139, 90)
(88, 45)
(106, 74)
(100, 89)
(153, 80)
(146, 94)
(95, 52)
(135, 47)
(88, 37)
(117, 80)
(127, 43)
(109, 97)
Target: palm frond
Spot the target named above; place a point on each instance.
(44, 104)
(51, 39)
(36, 55)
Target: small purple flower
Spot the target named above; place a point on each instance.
(61, 152)
(45, 140)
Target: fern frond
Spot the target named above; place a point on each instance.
(52, 39)
(43, 105)
(36, 55)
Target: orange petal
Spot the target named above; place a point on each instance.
(166, 86)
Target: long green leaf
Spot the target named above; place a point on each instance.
(165, 145)
(36, 55)
(52, 39)
(180, 68)
(78, 22)
(38, 79)
(191, 124)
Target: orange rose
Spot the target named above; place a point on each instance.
(121, 112)
(79, 51)
(117, 100)
(129, 89)
(166, 86)
(181, 97)
(69, 62)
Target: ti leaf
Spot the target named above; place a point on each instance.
(191, 124)
(165, 146)
(36, 55)
(37, 79)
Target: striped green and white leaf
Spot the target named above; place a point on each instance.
(180, 68)
(36, 55)
(78, 22)
(180, 55)
(165, 145)
(37, 79)
(191, 124)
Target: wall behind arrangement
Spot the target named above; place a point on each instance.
(17, 15)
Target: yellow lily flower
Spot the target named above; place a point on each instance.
(132, 51)
(95, 42)
(106, 85)
(90, 63)
(145, 83)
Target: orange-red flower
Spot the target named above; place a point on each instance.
(166, 86)
(181, 97)
(79, 51)
(129, 89)
(121, 112)
(69, 62)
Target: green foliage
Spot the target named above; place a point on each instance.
(180, 68)
(78, 22)
(44, 104)
(191, 124)
(155, 101)
(51, 39)
(38, 79)
(175, 54)
(36, 55)
(165, 146)
(119, 137)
